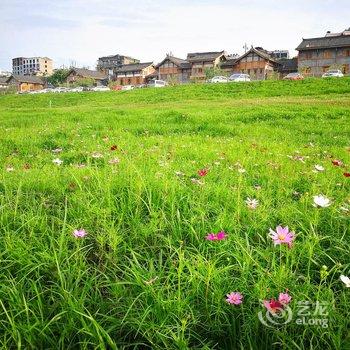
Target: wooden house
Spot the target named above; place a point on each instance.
(134, 74)
(77, 74)
(318, 55)
(174, 70)
(26, 83)
(256, 62)
(201, 61)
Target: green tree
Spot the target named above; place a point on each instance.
(58, 77)
(214, 71)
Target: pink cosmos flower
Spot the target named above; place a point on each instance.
(234, 298)
(221, 235)
(216, 236)
(282, 235)
(211, 237)
(79, 233)
(273, 306)
(284, 298)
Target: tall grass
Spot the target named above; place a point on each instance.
(145, 277)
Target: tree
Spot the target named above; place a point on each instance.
(58, 77)
(214, 71)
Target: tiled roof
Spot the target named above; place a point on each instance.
(177, 61)
(325, 42)
(133, 67)
(87, 73)
(27, 79)
(259, 53)
(229, 63)
(204, 56)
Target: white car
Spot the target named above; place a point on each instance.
(239, 77)
(157, 83)
(219, 79)
(100, 88)
(77, 89)
(335, 73)
(60, 89)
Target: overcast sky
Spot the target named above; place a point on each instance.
(80, 31)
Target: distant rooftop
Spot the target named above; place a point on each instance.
(133, 67)
(203, 56)
(332, 40)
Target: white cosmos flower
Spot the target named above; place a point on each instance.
(57, 161)
(345, 280)
(321, 201)
(319, 167)
(252, 203)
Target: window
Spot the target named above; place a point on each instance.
(308, 55)
(347, 53)
(327, 54)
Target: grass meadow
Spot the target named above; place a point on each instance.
(148, 174)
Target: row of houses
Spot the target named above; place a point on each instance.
(256, 62)
(315, 56)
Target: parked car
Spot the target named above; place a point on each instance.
(157, 83)
(77, 89)
(293, 76)
(100, 88)
(334, 73)
(219, 79)
(237, 77)
(60, 89)
(128, 87)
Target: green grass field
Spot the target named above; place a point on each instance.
(145, 276)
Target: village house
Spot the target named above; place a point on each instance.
(134, 74)
(256, 62)
(174, 70)
(107, 64)
(318, 55)
(26, 83)
(76, 75)
(202, 61)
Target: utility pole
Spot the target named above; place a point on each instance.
(245, 47)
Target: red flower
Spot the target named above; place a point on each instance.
(337, 162)
(114, 148)
(346, 174)
(202, 172)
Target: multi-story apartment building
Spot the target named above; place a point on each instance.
(32, 66)
(317, 55)
(108, 64)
